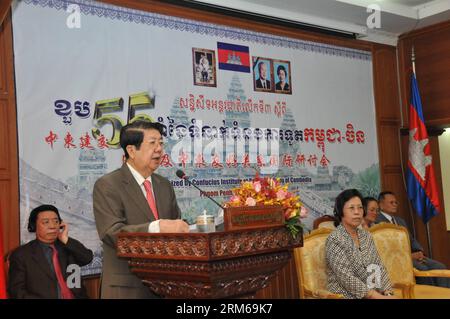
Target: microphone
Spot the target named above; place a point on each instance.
(182, 175)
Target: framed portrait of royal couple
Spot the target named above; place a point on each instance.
(271, 75)
(204, 67)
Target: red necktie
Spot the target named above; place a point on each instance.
(150, 198)
(65, 291)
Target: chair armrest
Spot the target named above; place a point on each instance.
(432, 273)
(324, 294)
(407, 289)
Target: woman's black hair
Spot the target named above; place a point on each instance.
(281, 67)
(340, 201)
(367, 200)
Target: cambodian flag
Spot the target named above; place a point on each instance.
(421, 180)
(233, 57)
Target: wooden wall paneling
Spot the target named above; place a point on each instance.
(433, 74)
(283, 286)
(4, 142)
(386, 82)
(9, 173)
(432, 49)
(386, 107)
(292, 279)
(4, 8)
(388, 117)
(390, 146)
(405, 69)
(92, 285)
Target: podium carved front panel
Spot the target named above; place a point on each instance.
(208, 265)
(205, 245)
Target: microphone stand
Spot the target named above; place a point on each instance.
(201, 191)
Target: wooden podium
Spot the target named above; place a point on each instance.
(225, 264)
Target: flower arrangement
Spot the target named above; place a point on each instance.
(269, 191)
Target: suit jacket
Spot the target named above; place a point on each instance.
(259, 84)
(30, 273)
(120, 206)
(415, 246)
(348, 266)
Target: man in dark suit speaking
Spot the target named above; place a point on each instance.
(262, 82)
(41, 268)
(133, 199)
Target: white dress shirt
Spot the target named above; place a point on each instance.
(154, 226)
(388, 217)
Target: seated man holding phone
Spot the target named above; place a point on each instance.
(44, 267)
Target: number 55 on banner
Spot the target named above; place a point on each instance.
(104, 109)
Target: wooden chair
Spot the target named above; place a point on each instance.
(311, 266)
(394, 248)
(325, 221)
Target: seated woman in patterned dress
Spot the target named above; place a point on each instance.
(354, 267)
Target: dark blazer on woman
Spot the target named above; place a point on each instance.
(32, 276)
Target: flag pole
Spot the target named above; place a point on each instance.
(427, 226)
(413, 61)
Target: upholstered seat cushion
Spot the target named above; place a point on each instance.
(431, 292)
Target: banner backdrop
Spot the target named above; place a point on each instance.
(232, 102)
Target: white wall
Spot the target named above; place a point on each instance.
(444, 153)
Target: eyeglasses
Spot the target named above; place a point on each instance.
(354, 208)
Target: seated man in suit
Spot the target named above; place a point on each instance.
(388, 211)
(133, 198)
(38, 269)
(262, 82)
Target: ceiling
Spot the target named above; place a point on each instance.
(396, 16)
